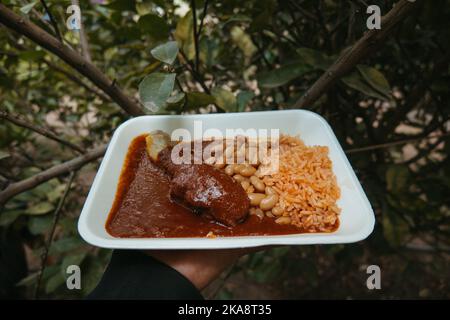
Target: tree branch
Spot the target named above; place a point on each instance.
(52, 233)
(42, 131)
(359, 51)
(56, 171)
(202, 21)
(71, 57)
(194, 24)
(68, 75)
(394, 143)
(52, 20)
(83, 38)
(197, 77)
(415, 95)
(77, 80)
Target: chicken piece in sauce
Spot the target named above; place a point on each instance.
(200, 186)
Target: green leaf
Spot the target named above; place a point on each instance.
(176, 98)
(32, 55)
(155, 89)
(39, 225)
(27, 8)
(395, 229)
(237, 18)
(243, 98)
(224, 99)
(143, 8)
(356, 82)
(314, 58)
(4, 154)
(65, 245)
(282, 75)
(375, 79)
(263, 16)
(8, 217)
(197, 100)
(56, 192)
(243, 41)
(184, 35)
(94, 271)
(167, 52)
(397, 178)
(40, 208)
(28, 280)
(54, 283)
(122, 5)
(174, 103)
(72, 259)
(154, 26)
(209, 51)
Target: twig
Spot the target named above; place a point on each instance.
(78, 81)
(83, 38)
(365, 46)
(71, 57)
(304, 12)
(197, 77)
(205, 10)
(53, 172)
(183, 107)
(393, 143)
(52, 233)
(423, 152)
(415, 95)
(42, 131)
(194, 24)
(69, 75)
(52, 20)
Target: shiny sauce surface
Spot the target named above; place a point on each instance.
(142, 207)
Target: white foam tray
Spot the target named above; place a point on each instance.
(356, 219)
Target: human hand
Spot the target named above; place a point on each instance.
(201, 267)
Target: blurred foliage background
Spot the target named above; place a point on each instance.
(390, 114)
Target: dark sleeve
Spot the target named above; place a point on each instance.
(135, 275)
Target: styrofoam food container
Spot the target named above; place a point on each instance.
(356, 219)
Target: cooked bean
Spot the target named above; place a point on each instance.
(239, 178)
(229, 169)
(277, 211)
(258, 173)
(283, 220)
(219, 165)
(255, 198)
(268, 202)
(269, 214)
(245, 184)
(257, 183)
(250, 189)
(247, 171)
(259, 213)
(270, 190)
(238, 168)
